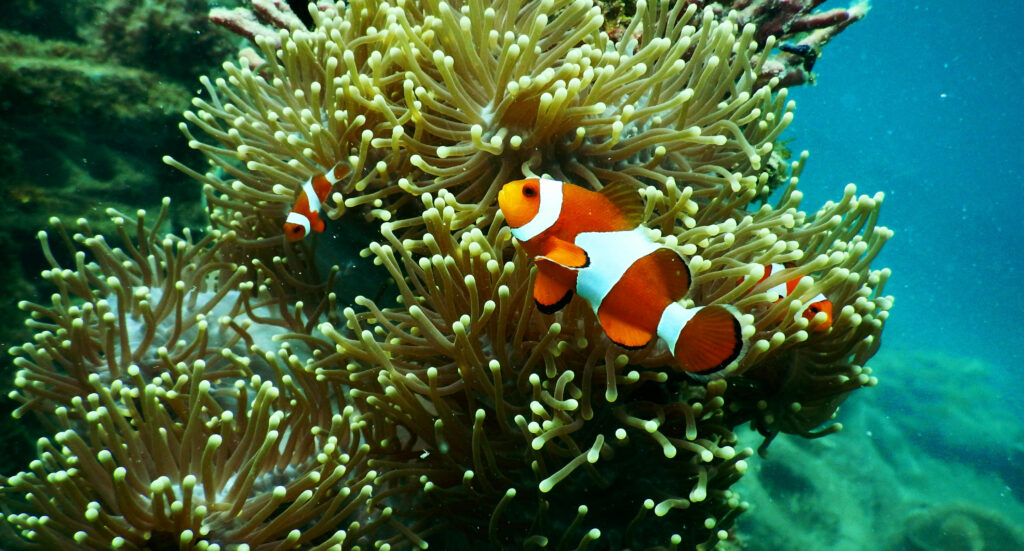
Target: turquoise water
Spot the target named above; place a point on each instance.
(920, 101)
(923, 103)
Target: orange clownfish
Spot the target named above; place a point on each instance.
(819, 303)
(593, 243)
(305, 215)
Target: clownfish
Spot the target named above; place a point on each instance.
(593, 244)
(819, 303)
(305, 214)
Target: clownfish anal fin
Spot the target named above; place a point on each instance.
(566, 254)
(549, 291)
(626, 197)
(624, 333)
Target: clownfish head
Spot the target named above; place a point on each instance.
(820, 306)
(299, 225)
(294, 232)
(519, 201)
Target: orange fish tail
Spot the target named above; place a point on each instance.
(710, 340)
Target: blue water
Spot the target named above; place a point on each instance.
(922, 101)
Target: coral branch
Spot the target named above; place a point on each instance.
(793, 20)
(243, 22)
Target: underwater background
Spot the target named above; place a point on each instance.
(918, 100)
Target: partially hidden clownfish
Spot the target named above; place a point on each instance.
(305, 214)
(818, 303)
(593, 243)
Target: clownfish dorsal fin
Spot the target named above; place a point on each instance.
(626, 198)
(622, 332)
(552, 288)
(566, 254)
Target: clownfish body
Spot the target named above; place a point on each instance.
(305, 214)
(593, 244)
(819, 303)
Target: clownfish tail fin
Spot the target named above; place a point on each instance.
(704, 340)
(339, 171)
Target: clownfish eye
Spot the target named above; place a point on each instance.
(815, 309)
(529, 191)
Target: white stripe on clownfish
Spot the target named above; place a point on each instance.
(311, 197)
(674, 318)
(610, 254)
(298, 220)
(780, 289)
(547, 215)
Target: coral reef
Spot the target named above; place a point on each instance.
(86, 100)
(804, 31)
(209, 391)
(793, 21)
(873, 486)
(932, 393)
(960, 526)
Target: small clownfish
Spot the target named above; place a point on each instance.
(305, 215)
(819, 303)
(593, 243)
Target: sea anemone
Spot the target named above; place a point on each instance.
(217, 391)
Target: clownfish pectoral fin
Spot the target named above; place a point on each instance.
(316, 223)
(552, 289)
(627, 200)
(566, 254)
(622, 332)
(710, 340)
(550, 295)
